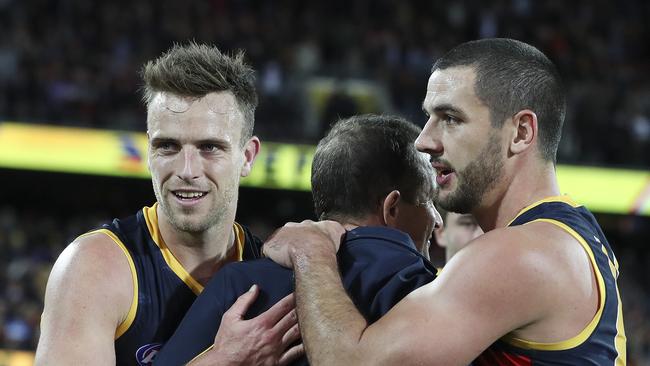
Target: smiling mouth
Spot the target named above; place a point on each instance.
(189, 195)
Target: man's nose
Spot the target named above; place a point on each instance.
(429, 140)
(190, 164)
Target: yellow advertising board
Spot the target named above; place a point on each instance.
(278, 166)
(16, 358)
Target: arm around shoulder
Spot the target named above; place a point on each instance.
(88, 294)
(488, 290)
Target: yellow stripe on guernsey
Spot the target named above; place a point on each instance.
(239, 241)
(130, 316)
(201, 354)
(151, 217)
(589, 329)
(620, 340)
(565, 199)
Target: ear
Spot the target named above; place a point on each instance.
(251, 150)
(390, 208)
(524, 133)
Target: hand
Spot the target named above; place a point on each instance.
(265, 340)
(305, 236)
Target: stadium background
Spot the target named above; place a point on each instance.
(72, 153)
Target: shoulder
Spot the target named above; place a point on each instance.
(93, 269)
(507, 271)
(95, 252)
(261, 271)
(88, 295)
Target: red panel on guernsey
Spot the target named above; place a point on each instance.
(498, 358)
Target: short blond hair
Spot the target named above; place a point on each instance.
(195, 70)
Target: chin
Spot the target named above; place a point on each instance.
(189, 226)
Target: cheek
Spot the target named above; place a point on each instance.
(464, 150)
(160, 169)
(223, 171)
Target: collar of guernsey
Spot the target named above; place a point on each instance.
(151, 217)
(564, 198)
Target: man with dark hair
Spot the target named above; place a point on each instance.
(368, 176)
(539, 287)
(116, 294)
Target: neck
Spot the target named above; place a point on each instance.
(529, 184)
(353, 223)
(200, 253)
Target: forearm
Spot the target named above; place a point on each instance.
(330, 324)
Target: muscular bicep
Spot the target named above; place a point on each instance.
(453, 319)
(88, 295)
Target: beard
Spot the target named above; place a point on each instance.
(479, 177)
(194, 222)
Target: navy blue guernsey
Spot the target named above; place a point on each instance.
(602, 342)
(163, 289)
(379, 266)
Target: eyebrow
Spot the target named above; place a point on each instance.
(448, 108)
(158, 140)
(444, 108)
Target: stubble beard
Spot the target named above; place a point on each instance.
(479, 177)
(215, 216)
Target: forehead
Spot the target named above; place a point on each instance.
(214, 113)
(452, 86)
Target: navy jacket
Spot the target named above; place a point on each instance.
(379, 266)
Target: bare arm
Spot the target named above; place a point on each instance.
(448, 322)
(88, 295)
(328, 318)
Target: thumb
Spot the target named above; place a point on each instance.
(240, 307)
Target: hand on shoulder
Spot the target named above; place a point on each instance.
(307, 237)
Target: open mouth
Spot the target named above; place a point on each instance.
(443, 174)
(189, 195)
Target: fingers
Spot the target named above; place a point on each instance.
(291, 355)
(240, 307)
(279, 310)
(286, 322)
(291, 336)
(334, 230)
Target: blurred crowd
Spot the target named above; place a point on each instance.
(77, 62)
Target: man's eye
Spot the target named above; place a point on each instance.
(166, 146)
(209, 148)
(450, 119)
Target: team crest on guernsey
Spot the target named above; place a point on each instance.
(147, 353)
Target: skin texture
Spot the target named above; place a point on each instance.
(417, 220)
(543, 288)
(195, 146)
(457, 231)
